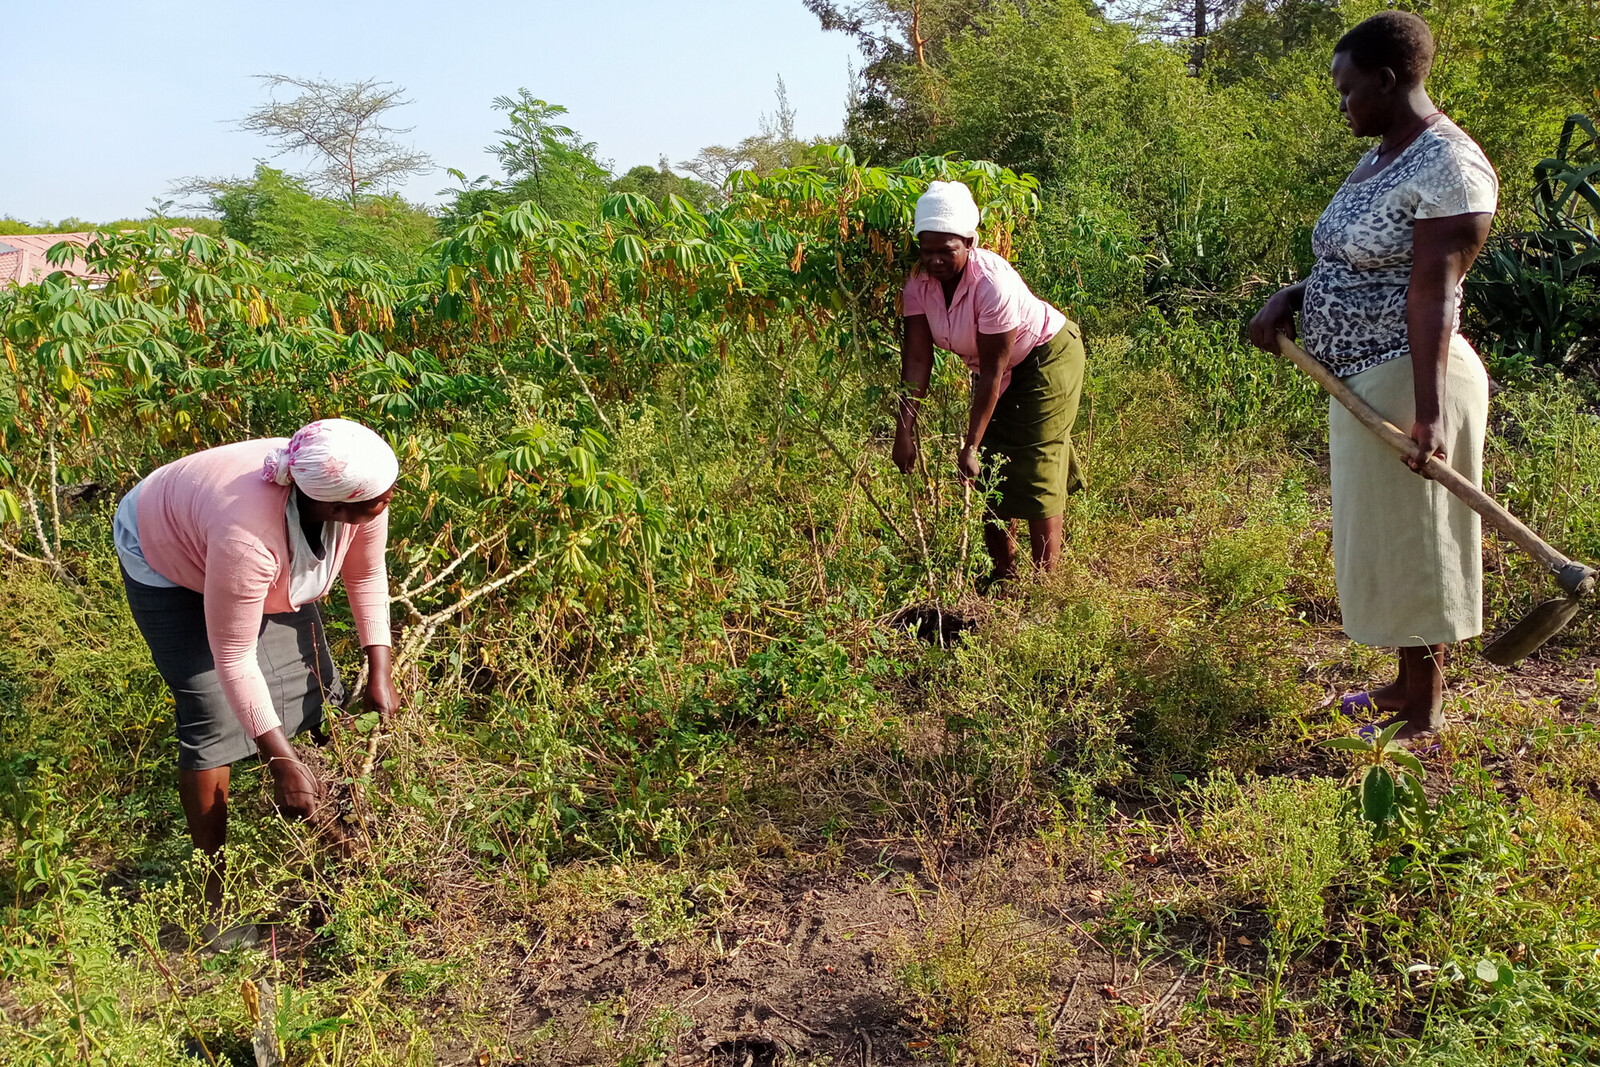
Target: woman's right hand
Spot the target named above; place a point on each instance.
(905, 447)
(295, 790)
(1276, 317)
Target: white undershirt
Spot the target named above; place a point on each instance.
(125, 535)
(310, 575)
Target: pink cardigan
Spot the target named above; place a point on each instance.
(210, 523)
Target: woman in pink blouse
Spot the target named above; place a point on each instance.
(1026, 360)
(224, 554)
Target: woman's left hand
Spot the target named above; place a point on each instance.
(380, 695)
(968, 464)
(1430, 439)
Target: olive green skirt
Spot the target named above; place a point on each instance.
(1029, 439)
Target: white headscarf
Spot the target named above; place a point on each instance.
(948, 207)
(334, 460)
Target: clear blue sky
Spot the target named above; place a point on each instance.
(103, 105)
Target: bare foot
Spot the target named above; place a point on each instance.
(1416, 726)
(1391, 697)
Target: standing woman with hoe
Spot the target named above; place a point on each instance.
(224, 554)
(1381, 310)
(1026, 360)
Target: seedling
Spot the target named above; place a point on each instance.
(1387, 782)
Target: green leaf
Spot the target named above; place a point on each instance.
(321, 1026)
(1409, 763)
(628, 249)
(10, 509)
(1377, 795)
(1349, 744)
(1388, 734)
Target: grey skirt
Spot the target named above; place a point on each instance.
(1407, 555)
(292, 650)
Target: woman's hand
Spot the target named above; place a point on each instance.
(906, 451)
(968, 464)
(295, 790)
(380, 695)
(1430, 439)
(1276, 317)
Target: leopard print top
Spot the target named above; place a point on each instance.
(1354, 316)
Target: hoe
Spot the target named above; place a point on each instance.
(1575, 579)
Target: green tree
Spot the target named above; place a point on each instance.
(542, 160)
(1267, 31)
(277, 215)
(658, 182)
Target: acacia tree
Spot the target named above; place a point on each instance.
(340, 124)
(776, 146)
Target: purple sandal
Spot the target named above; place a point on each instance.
(1370, 732)
(1357, 705)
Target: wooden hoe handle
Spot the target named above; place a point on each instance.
(1567, 571)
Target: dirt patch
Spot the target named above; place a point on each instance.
(809, 972)
(935, 624)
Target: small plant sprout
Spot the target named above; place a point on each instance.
(1386, 783)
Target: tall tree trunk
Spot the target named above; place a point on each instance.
(917, 40)
(1197, 53)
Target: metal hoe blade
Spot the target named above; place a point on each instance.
(1533, 630)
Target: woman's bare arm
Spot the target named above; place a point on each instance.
(916, 370)
(994, 357)
(1443, 251)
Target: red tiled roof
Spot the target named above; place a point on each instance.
(23, 262)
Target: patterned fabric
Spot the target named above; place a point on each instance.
(991, 298)
(334, 460)
(1354, 316)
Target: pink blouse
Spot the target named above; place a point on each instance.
(991, 298)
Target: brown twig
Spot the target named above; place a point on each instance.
(1166, 997)
(821, 435)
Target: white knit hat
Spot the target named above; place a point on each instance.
(334, 460)
(948, 207)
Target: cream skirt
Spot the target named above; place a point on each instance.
(1408, 556)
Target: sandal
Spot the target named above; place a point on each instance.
(1370, 732)
(1354, 705)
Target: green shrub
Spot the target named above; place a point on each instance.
(1286, 842)
(1248, 568)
